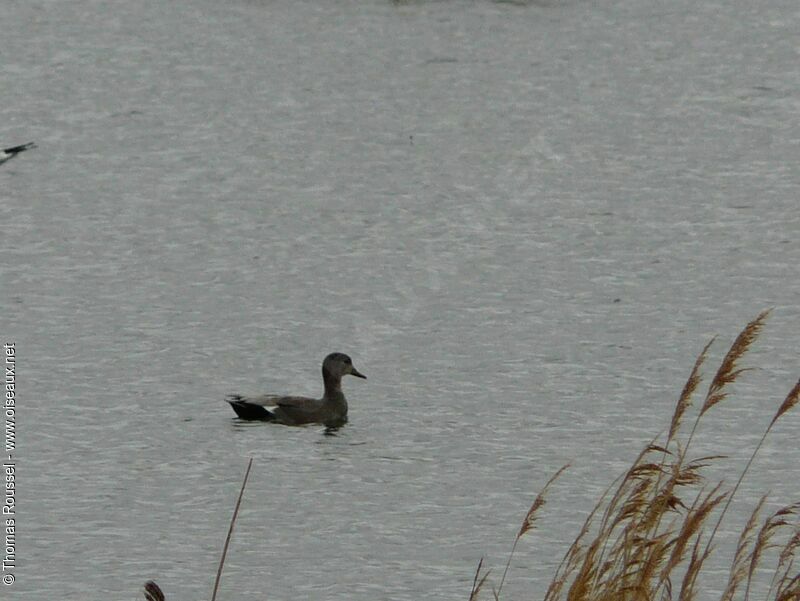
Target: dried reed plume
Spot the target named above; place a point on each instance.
(788, 403)
(152, 592)
(728, 371)
(528, 522)
(685, 400)
(647, 537)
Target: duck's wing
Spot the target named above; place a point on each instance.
(263, 400)
(297, 410)
(275, 400)
(291, 410)
(299, 403)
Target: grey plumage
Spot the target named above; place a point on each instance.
(330, 410)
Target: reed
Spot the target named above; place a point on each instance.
(230, 531)
(152, 592)
(651, 533)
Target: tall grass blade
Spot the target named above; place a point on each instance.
(478, 581)
(230, 531)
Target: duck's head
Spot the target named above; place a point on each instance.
(339, 364)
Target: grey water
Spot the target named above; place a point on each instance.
(522, 220)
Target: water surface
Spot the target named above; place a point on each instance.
(522, 222)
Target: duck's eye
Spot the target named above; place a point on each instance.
(348, 361)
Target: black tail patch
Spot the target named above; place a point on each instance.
(249, 411)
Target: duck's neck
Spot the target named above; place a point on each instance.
(333, 385)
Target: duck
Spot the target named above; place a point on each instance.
(9, 153)
(330, 410)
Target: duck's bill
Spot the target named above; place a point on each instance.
(357, 374)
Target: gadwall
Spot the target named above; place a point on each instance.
(9, 153)
(330, 410)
